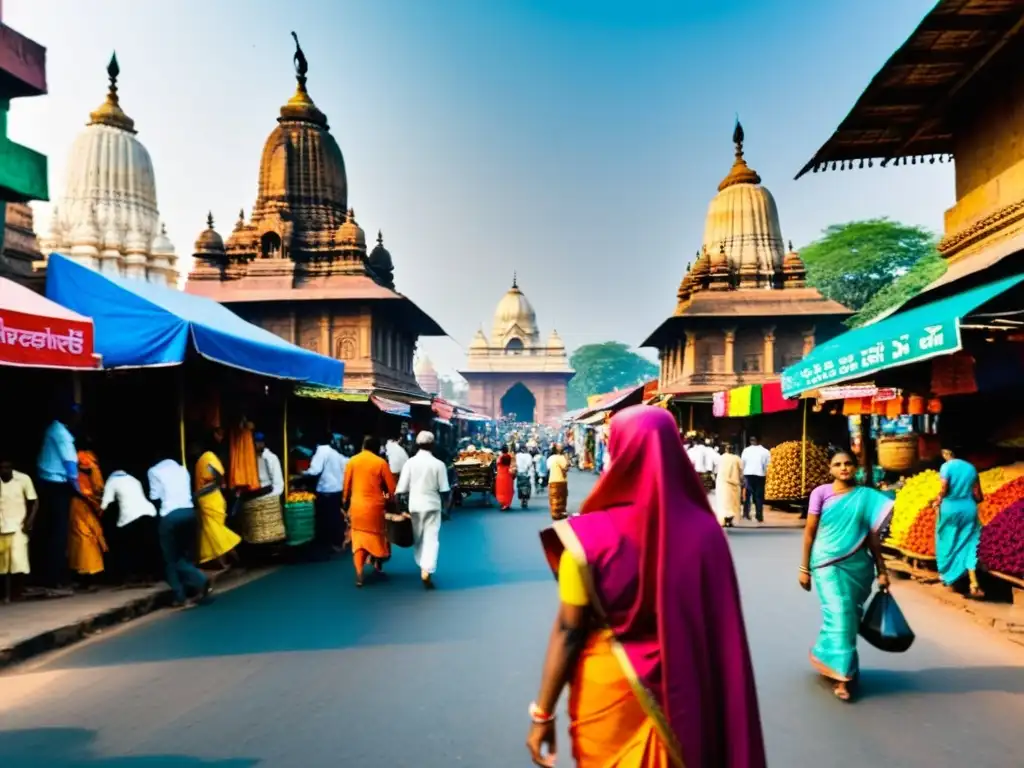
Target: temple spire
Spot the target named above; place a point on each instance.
(515, 280)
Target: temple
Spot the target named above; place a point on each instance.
(513, 374)
(743, 310)
(299, 267)
(951, 92)
(426, 376)
(107, 216)
(21, 259)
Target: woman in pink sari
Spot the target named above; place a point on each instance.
(649, 634)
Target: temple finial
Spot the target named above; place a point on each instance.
(737, 136)
(515, 280)
(301, 65)
(380, 238)
(113, 70)
(209, 220)
(791, 246)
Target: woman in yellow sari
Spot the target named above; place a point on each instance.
(215, 538)
(649, 635)
(86, 543)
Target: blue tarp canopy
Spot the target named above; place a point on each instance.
(141, 325)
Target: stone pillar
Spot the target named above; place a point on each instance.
(730, 351)
(293, 328)
(325, 334)
(662, 353)
(769, 350)
(808, 341)
(690, 354)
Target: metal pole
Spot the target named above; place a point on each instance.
(181, 416)
(287, 471)
(803, 455)
(691, 418)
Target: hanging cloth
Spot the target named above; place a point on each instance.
(720, 404)
(243, 471)
(745, 401)
(772, 400)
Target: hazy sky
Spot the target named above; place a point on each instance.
(577, 142)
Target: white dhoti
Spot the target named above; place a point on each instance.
(426, 534)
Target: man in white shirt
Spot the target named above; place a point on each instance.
(424, 485)
(136, 520)
(329, 467)
(269, 467)
(170, 488)
(18, 507)
(755, 458)
(396, 456)
(524, 475)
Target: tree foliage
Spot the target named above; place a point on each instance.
(605, 367)
(853, 262)
(454, 390)
(926, 271)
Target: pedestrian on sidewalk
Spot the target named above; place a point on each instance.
(329, 467)
(540, 461)
(727, 486)
(524, 476)
(558, 483)
(841, 554)
(424, 486)
(646, 584)
(368, 489)
(958, 530)
(86, 542)
(755, 458)
(503, 483)
(170, 489)
(134, 534)
(57, 471)
(18, 507)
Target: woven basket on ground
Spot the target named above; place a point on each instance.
(262, 520)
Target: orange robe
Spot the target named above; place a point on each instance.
(504, 486)
(367, 479)
(86, 543)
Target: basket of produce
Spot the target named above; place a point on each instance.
(399, 528)
(785, 472)
(1001, 548)
(262, 521)
(912, 527)
(299, 517)
(897, 453)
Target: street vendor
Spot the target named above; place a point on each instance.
(269, 467)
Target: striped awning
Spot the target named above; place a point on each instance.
(390, 407)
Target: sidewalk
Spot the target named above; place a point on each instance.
(33, 627)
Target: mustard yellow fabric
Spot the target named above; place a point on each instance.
(572, 589)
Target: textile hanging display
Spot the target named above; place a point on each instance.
(745, 401)
(720, 404)
(772, 400)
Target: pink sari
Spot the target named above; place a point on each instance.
(660, 577)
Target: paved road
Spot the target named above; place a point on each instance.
(300, 669)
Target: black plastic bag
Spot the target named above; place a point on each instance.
(399, 528)
(884, 626)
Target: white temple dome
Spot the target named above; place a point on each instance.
(555, 341)
(479, 341)
(110, 169)
(744, 220)
(514, 318)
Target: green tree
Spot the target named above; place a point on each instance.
(605, 367)
(926, 271)
(854, 262)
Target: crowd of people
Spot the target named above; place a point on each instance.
(736, 480)
(523, 468)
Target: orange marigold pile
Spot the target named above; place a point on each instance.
(920, 538)
(1004, 498)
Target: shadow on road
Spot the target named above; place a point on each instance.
(948, 680)
(316, 606)
(72, 748)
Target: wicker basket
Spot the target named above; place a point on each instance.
(897, 454)
(299, 522)
(262, 521)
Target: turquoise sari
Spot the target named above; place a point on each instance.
(958, 529)
(844, 571)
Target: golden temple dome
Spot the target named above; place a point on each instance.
(514, 318)
(479, 341)
(302, 172)
(794, 271)
(209, 243)
(744, 220)
(350, 235)
(110, 112)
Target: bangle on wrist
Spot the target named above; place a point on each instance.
(805, 569)
(539, 716)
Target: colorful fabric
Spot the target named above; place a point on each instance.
(558, 499)
(504, 486)
(367, 479)
(660, 574)
(720, 405)
(215, 538)
(745, 401)
(572, 585)
(13, 553)
(772, 400)
(958, 528)
(86, 543)
(843, 571)
(727, 486)
(244, 471)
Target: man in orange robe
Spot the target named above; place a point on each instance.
(369, 485)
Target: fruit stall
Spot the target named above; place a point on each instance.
(943, 374)
(475, 471)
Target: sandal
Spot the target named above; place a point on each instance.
(976, 593)
(843, 694)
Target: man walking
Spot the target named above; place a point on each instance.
(328, 466)
(424, 486)
(57, 468)
(755, 460)
(524, 475)
(558, 483)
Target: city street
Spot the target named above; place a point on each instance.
(301, 669)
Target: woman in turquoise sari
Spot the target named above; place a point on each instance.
(841, 555)
(958, 528)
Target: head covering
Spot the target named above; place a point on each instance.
(259, 437)
(664, 578)
(424, 438)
